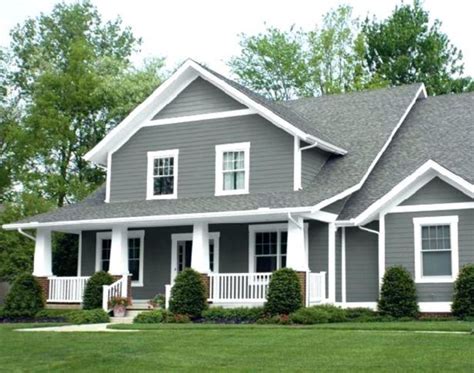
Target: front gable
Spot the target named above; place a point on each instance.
(199, 97)
(434, 192)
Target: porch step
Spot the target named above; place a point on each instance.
(121, 320)
(133, 313)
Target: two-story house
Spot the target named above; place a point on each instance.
(209, 175)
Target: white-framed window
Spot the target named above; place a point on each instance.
(162, 174)
(268, 246)
(181, 251)
(436, 249)
(135, 254)
(232, 168)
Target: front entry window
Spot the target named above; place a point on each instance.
(135, 254)
(184, 254)
(270, 251)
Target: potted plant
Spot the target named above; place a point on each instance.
(119, 305)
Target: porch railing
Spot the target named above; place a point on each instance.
(238, 287)
(317, 287)
(116, 289)
(66, 289)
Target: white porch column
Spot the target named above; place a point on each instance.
(42, 263)
(296, 257)
(200, 252)
(119, 251)
(332, 262)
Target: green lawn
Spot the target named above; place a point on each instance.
(240, 348)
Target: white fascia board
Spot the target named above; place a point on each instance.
(411, 185)
(175, 219)
(421, 93)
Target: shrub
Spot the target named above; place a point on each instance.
(158, 300)
(310, 315)
(398, 294)
(88, 317)
(178, 318)
(54, 314)
(188, 295)
(463, 297)
(119, 301)
(360, 314)
(25, 298)
(93, 292)
(232, 315)
(151, 317)
(284, 293)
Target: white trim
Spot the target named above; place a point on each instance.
(371, 305)
(332, 262)
(435, 306)
(418, 223)
(219, 179)
(130, 234)
(381, 259)
(297, 164)
(343, 265)
(410, 185)
(108, 182)
(175, 237)
(199, 117)
(433, 207)
(151, 156)
(79, 256)
(178, 219)
(278, 227)
(167, 91)
(421, 93)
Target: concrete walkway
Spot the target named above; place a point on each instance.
(76, 328)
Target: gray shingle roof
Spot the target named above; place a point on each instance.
(361, 123)
(439, 128)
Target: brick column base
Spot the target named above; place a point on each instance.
(205, 280)
(44, 283)
(302, 278)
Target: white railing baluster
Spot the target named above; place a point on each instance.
(238, 287)
(66, 289)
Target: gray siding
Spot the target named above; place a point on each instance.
(436, 191)
(271, 156)
(399, 248)
(361, 265)
(338, 266)
(311, 162)
(199, 97)
(318, 248)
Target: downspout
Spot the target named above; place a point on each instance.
(20, 230)
(368, 230)
(309, 146)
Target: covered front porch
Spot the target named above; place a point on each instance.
(235, 258)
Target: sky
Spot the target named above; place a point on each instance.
(207, 30)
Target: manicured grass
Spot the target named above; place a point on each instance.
(454, 326)
(236, 348)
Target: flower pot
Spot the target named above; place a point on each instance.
(120, 310)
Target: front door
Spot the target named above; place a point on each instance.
(182, 247)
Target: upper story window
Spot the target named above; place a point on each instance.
(232, 168)
(436, 249)
(162, 174)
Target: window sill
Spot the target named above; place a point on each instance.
(136, 284)
(231, 193)
(170, 196)
(435, 280)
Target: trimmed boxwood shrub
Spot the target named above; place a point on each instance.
(319, 315)
(25, 298)
(232, 315)
(96, 316)
(188, 295)
(151, 317)
(93, 291)
(284, 292)
(463, 297)
(361, 314)
(398, 294)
